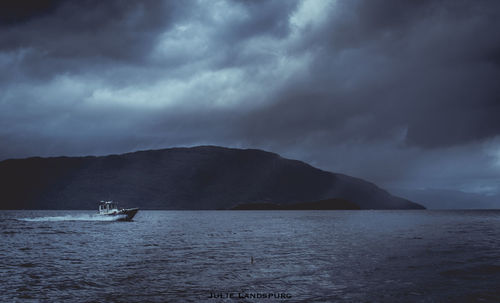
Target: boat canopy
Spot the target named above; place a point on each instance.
(107, 205)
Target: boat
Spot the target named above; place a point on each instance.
(110, 208)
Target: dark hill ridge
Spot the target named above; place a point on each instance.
(204, 177)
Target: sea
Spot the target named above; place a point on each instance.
(251, 256)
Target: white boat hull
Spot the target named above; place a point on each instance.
(123, 214)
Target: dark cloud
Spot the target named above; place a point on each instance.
(380, 66)
(268, 18)
(51, 37)
(386, 90)
(20, 11)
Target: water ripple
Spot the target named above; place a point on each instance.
(349, 256)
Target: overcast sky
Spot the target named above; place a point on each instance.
(402, 93)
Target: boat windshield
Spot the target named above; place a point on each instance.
(107, 206)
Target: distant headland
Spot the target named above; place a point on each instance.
(327, 204)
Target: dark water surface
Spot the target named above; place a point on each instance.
(310, 256)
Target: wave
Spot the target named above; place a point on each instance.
(82, 217)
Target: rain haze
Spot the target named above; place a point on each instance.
(405, 94)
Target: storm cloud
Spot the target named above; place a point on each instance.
(403, 93)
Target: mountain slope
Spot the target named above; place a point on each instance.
(204, 177)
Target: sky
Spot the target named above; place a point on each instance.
(405, 94)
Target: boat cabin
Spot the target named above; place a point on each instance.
(106, 207)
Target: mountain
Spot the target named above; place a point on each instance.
(328, 204)
(203, 177)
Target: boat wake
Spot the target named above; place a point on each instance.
(82, 217)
